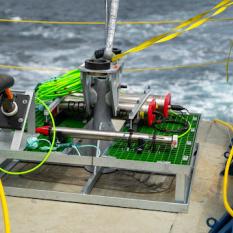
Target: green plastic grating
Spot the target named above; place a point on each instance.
(163, 153)
(72, 122)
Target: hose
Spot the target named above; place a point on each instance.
(63, 85)
(49, 152)
(5, 209)
(226, 172)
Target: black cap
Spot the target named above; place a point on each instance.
(97, 64)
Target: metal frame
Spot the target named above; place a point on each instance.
(139, 104)
(10, 156)
(183, 173)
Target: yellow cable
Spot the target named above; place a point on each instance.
(128, 70)
(164, 68)
(31, 68)
(48, 22)
(5, 209)
(226, 172)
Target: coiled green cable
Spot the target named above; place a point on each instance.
(63, 85)
(46, 156)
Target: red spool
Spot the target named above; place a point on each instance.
(167, 103)
(151, 112)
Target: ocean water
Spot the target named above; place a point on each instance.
(203, 90)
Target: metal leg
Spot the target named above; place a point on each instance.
(91, 181)
(181, 188)
(7, 164)
(31, 122)
(17, 139)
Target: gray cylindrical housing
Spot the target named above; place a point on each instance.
(110, 136)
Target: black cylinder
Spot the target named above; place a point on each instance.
(99, 53)
(97, 64)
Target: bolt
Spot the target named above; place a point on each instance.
(20, 120)
(25, 101)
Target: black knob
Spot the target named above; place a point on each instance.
(99, 53)
(123, 86)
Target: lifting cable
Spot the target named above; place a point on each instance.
(183, 27)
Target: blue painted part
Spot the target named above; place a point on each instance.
(223, 225)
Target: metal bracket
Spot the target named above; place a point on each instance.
(18, 134)
(139, 104)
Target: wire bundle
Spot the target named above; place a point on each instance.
(63, 85)
(185, 125)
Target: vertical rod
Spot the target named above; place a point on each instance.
(111, 29)
(106, 19)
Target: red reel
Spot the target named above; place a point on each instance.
(167, 103)
(151, 112)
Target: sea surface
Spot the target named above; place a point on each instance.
(202, 89)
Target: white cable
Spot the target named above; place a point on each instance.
(76, 149)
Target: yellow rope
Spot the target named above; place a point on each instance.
(31, 68)
(48, 22)
(188, 66)
(179, 30)
(128, 70)
(5, 209)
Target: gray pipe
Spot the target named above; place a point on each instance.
(126, 101)
(110, 136)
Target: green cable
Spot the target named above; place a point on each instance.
(49, 152)
(189, 128)
(63, 85)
